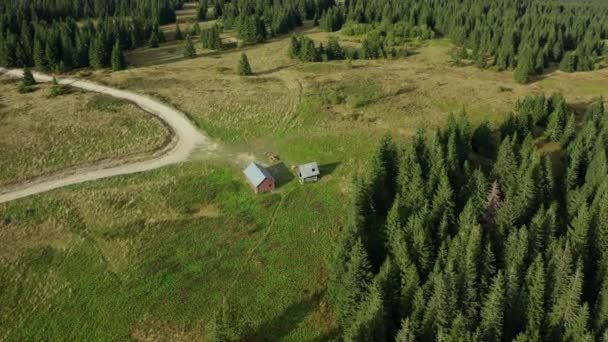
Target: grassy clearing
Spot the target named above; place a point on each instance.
(147, 254)
(407, 93)
(153, 254)
(40, 135)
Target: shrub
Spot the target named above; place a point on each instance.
(58, 89)
(244, 69)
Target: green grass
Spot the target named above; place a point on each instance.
(267, 254)
(106, 103)
(357, 93)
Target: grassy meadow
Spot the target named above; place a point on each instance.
(288, 100)
(151, 256)
(41, 135)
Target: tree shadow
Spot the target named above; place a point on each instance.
(580, 107)
(281, 174)
(273, 70)
(280, 326)
(547, 73)
(166, 53)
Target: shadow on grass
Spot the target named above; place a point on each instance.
(549, 71)
(273, 70)
(281, 174)
(328, 169)
(579, 108)
(284, 323)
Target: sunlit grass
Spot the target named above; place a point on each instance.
(39, 135)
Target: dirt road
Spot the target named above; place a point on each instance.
(187, 138)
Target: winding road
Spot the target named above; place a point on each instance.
(186, 138)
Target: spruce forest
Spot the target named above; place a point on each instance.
(451, 238)
(528, 36)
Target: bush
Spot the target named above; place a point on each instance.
(58, 89)
(23, 89)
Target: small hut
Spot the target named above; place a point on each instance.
(259, 178)
(309, 172)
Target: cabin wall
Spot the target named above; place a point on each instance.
(266, 186)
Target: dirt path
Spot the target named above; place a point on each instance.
(187, 138)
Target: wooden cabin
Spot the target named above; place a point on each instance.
(259, 178)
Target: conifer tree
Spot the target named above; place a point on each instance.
(567, 314)
(347, 238)
(243, 68)
(118, 58)
(39, 56)
(602, 228)
(52, 51)
(294, 47)
(218, 9)
(488, 267)
(189, 51)
(569, 62)
(369, 322)
(354, 287)
(441, 309)
(557, 122)
(492, 311)
(201, 10)
(383, 175)
(252, 29)
(536, 306)
(601, 306)
(522, 72)
(569, 129)
(471, 270)
(421, 243)
(578, 234)
(334, 50)
(195, 29)
(516, 251)
(505, 168)
(28, 78)
(154, 40)
(27, 82)
(375, 318)
(542, 227)
(406, 334)
(210, 38)
(96, 54)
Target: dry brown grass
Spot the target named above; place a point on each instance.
(416, 91)
(207, 88)
(41, 135)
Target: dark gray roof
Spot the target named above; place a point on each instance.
(309, 170)
(256, 174)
